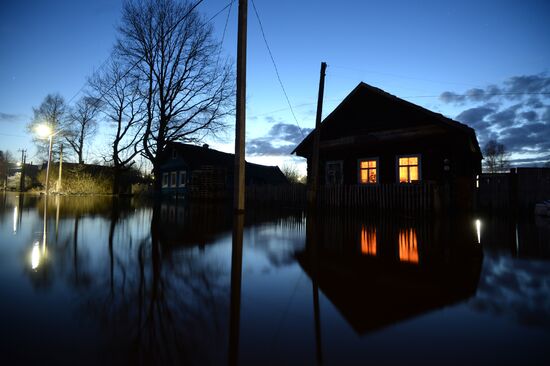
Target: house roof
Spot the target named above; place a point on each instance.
(382, 109)
(196, 157)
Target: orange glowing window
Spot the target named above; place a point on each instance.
(408, 246)
(409, 169)
(368, 241)
(368, 171)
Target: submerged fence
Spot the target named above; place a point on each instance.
(405, 197)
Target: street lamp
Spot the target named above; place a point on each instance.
(45, 131)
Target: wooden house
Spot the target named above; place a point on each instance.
(207, 173)
(374, 138)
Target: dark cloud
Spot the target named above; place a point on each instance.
(281, 139)
(506, 117)
(450, 97)
(539, 83)
(529, 116)
(8, 117)
(514, 88)
(475, 116)
(515, 113)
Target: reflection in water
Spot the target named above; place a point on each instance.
(368, 241)
(127, 282)
(408, 246)
(15, 216)
(370, 291)
(35, 256)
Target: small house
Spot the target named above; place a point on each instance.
(373, 137)
(204, 172)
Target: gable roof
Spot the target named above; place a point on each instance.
(196, 157)
(382, 106)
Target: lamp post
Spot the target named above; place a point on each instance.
(45, 131)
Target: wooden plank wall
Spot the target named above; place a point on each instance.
(412, 198)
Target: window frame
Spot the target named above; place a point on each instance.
(173, 179)
(377, 159)
(339, 162)
(182, 182)
(397, 166)
(165, 179)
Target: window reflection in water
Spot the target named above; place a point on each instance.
(368, 241)
(408, 246)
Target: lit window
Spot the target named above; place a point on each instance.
(409, 169)
(173, 179)
(165, 179)
(183, 178)
(408, 246)
(368, 241)
(368, 171)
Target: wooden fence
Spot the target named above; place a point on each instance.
(413, 197)
(405, 197)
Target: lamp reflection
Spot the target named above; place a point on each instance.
(35, 256)
(408, 246)
(368, 241)
(15, 215)
(478, 230)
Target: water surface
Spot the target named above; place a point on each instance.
(97, 280)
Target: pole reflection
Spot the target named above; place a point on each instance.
(236, 279)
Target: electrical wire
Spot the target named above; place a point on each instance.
(276, 69)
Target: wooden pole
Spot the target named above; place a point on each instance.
(314, 179)
(22, 176)
(60, 168)
(238, 198)
(48, 166)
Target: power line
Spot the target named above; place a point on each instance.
(276, 69)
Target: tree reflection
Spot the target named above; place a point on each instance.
(158, 305)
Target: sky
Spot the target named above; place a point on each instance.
(483, 63)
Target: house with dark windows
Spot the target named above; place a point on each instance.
(200, 171)
(373, 137)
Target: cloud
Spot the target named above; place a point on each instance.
(515, 113)
(281, 139)
(8, 117)
(514, 88)
(505, 118)
(475, 116)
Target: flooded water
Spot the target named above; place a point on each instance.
(96, 280)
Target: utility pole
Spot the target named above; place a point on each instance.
(314, 179)
(22, 176)
(238, 197)
(60, 168)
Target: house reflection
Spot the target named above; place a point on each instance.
(371, 280)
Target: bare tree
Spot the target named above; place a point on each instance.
(495, 157)
(6, 160)
(52, 112)
(186, 90)
(81, 125)
(291, 173)
(123, 109)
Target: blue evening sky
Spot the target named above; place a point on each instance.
(416, 50)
